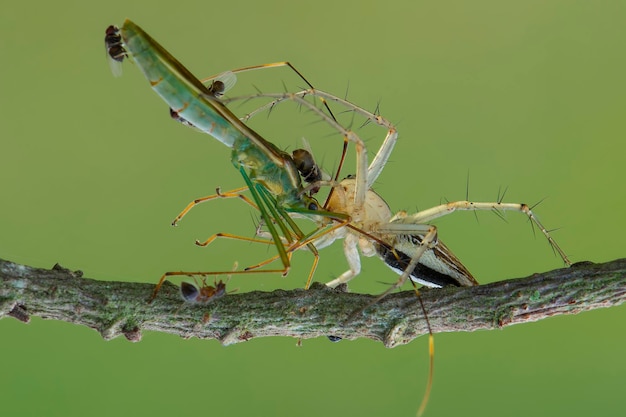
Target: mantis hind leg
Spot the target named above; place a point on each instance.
(236, 193)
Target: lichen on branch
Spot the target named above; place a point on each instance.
(122, 308)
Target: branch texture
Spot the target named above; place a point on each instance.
(121, 308)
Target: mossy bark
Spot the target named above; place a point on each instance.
(122, 308)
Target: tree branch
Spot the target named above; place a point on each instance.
(115, 308)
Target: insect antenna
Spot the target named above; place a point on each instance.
(409, 268)
(431, 355)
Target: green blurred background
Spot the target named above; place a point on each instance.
(528, 95)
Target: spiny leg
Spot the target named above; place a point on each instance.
(183, 83)
(298, 98)
(363, 186)
(365, 175)
(212, 79)
(383, 153)
(272, 65)
(373, 172)
(363, 182)
(426, 216)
